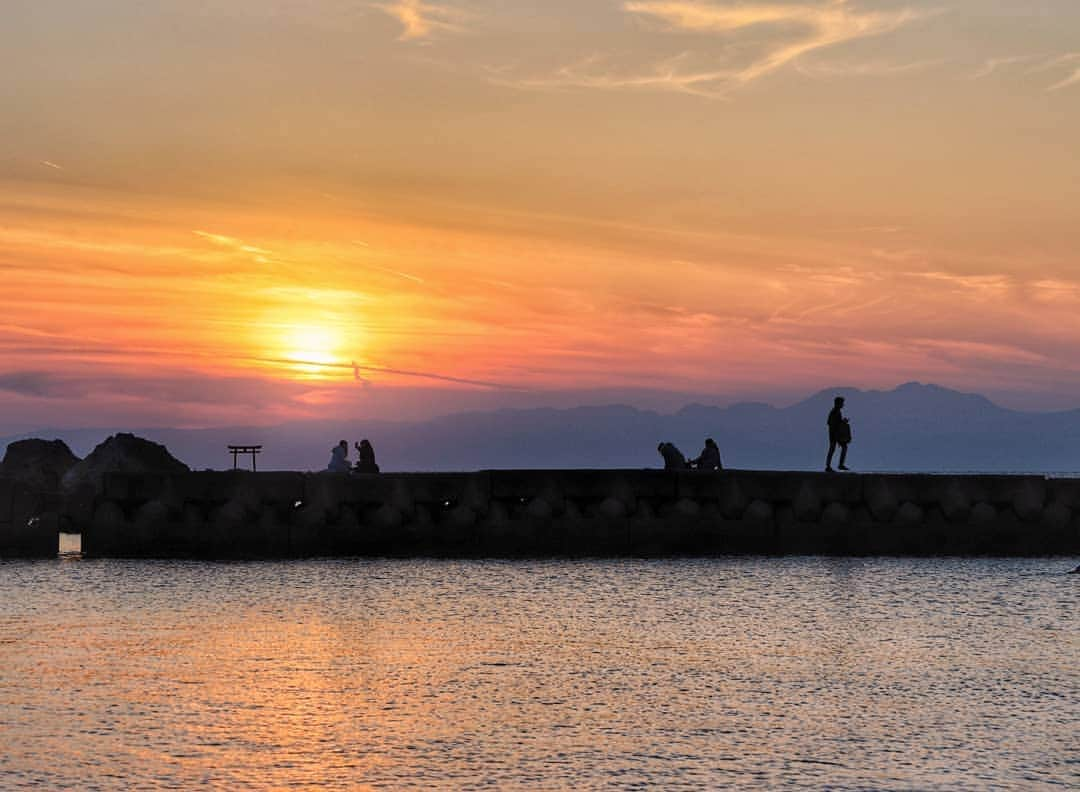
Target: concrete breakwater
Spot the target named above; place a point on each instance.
(240, 514)
(29, 521)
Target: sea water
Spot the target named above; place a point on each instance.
(767, 673)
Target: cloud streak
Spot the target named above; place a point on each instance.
(421, 20)
(258, 254)
(759, 39)
(1040, 65)
(1073, 78)
(819, 26)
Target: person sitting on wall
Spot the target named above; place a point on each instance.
(673, 457)
(339, 458)
(709, 459)
(365, 458)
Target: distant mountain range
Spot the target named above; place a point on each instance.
(912, 428)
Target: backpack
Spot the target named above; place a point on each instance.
(843, 435)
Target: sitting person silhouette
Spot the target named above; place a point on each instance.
(709, 459)
(673, 457)
(339, 458)
(365, 458)
(839, 434)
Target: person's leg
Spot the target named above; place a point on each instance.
(828, 458)
(843, 456)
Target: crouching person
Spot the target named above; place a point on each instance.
(673, 457)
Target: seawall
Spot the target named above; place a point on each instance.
(28, 522)
(238, 514)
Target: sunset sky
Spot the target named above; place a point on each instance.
(210, 209)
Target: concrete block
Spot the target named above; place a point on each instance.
(442, 488)
(807, 503)
(733, 500)
(686, 508)
(647, 531)
(699, 484)
(108, 533)
(307, 534)
(955, 501)
(836, 515)
(6, 499)
(528, 484)
(1064, 491)
(387, 516)
(759, 513)
(881, 498)
(983, 514)
(461, 517)
(909, 515)
(651, 483)
(276, 487)
(1029, 498)
(775, 486)
(539, 509)
(37, 536)
(151, 525)
(1057, 516)
(598, 537)
(612, 509)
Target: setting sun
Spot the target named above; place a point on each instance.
(317, 350)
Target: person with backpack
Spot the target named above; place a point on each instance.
(839, 435)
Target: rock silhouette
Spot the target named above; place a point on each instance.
(39, 464)
(121, 453)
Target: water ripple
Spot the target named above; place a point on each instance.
(797, 673)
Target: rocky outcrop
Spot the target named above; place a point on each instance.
(39, 464)
(121, 453)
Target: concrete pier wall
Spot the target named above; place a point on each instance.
(27, 529)
(239, 514)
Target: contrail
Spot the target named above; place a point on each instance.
(357, 368)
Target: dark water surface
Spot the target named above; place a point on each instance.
(880, 674)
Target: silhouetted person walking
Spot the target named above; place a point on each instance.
(709, 458)
(839, 434)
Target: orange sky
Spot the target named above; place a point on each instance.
(210, 210)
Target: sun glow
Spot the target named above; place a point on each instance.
(316, 349)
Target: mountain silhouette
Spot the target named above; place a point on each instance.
(914, 427)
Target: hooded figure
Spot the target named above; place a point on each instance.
(365, 458)
(673, 457)
(710, 457)
(339, 458)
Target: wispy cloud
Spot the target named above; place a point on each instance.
(760, 38)
(992, 65)
(594, 72)
(817, 26)
(965, 350)
(260, 255)
(1068, 62)
(820, 69)
(1072, 60)
(51, 164)
(981, 286)
(400, 274)
(421, 20)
